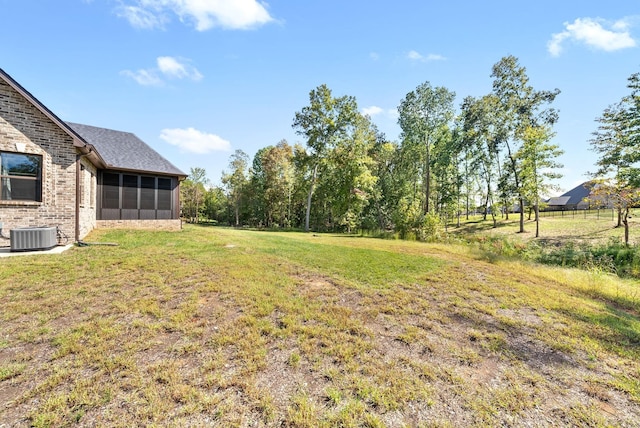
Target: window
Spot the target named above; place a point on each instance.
(20, 177)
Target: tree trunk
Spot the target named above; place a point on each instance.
(521, 203)
(313, 183)
(537, 208)
(427, 180)
(619, 217)
(625, 221)
(486, 205)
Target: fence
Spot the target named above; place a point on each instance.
(594, 214)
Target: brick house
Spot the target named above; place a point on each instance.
(78, 177)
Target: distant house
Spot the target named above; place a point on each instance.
(578, 198)
(78, 177)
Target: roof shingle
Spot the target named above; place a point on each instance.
(123, 150)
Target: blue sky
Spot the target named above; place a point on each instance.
(197, 79)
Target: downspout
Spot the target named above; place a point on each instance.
(77, 231)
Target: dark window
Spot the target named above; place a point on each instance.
(129, 191)
(164, 193)
(20, 177)
(147, 193)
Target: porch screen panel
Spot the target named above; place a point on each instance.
(110, 190)
(126, 196)
(130, 192)
(147, 193)
(164, 194)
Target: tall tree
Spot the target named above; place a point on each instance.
(322, 122)
(352, 181)
(278, 170)
(192, 191)
(617, 141)
(519, 106)
(539, 166)
(481, 136)
(423, 115)
(236, 180)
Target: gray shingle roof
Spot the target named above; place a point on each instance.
(578, 193)
(123, 150)
(559, 200)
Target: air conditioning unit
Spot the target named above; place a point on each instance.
(33, 238)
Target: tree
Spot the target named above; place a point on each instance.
(192, 191)
(617, 141)
(518, 107)
(423, 115)
(215, 204)
(539, 166)
(236, 181)
(480, 140)
(352, 181)
(322, 122)
(277, 167)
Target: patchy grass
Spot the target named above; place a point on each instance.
(213, 326)
(556, 228)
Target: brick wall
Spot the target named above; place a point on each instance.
(88, 191)
(21, 122)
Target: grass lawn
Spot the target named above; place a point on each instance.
(592, 227)
(222, 327)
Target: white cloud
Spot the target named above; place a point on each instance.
(372, 111)
(592, 32)
(142, 18)
(173, 68)
(167, 68)
(435, 57)
(202, 14)
(194, 141)
(374, 56)
(417, 56)
(144, 77)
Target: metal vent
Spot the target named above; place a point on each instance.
(33, 238)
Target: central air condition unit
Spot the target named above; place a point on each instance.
(33, 238)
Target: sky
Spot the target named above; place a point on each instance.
(199, 79)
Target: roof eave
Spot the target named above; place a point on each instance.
(78, 141)
(180, 176)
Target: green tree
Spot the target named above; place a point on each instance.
(617, 142)
(480, 138)
(352, 181)
(424, 114)
(323, 122)
(215, 204)
(518, 107)
(278, 169)
(192, 191)
(236, 181)
(539, 166)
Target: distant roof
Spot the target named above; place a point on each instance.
(559, 200)
(577, 194)
(123, 150)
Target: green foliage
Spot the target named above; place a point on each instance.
(192, 194)
(613, 257)
(412, 224)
